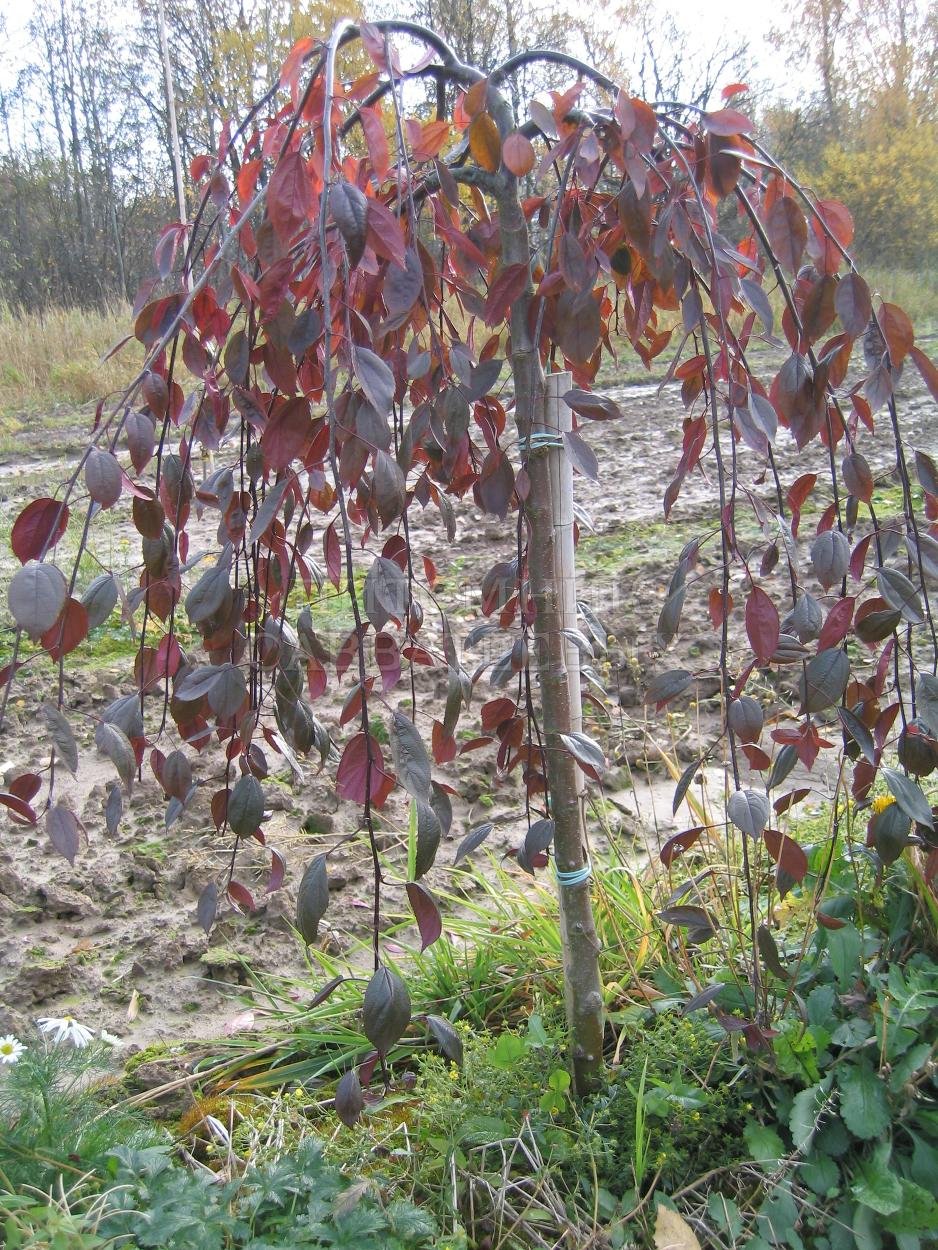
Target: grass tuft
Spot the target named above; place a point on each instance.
(55, 357)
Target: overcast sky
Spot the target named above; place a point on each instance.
(755, 17)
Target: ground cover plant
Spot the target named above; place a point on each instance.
(362, 324)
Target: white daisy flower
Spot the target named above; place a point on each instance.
(111, 1040)
(65, 1029)
(10, 1049)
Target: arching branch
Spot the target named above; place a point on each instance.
(549, 56)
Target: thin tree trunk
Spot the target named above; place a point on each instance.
(582, 985)
(171, 115)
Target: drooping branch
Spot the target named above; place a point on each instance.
(550, 56)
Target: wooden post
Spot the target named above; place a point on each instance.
(558, 418)
(553, 586)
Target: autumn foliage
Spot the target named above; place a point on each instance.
(355, 323)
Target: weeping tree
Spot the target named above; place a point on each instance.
(361, 321)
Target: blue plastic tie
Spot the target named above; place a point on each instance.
(541, 440)
(576, 877)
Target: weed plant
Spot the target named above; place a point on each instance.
(59, 1117)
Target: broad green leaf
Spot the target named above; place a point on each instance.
(864, 1107)
(764, 1144)
(806, 1113)
(877, 1186)
(910, 797)
(844, 946)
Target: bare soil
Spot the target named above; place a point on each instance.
(114, 939)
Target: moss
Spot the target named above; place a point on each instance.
(151, 1054)
(695, 1108)
(220, 958)
(154, 849)
(637, 545)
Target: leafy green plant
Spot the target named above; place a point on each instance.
(299, 1200)
(58, 1115)
(675, 1107)
(503, 1123)
(30, 1223)
(854, 1100)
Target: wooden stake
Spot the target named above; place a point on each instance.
(558, 418)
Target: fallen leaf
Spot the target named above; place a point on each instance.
(672, 1232)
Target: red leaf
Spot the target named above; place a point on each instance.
(443, 744)
(715, 606)
(385, 234)
(289, 196)
(837, 624)
(800, 490)
(789, 800)
(858, 557)
(762, 624)
(518, 154)
(26, 786)
(496, 712)
(429, 139)
(19, 807)
(678, 843)
(853, 303)
(388, 658)
(503, 292)
(788, 232)
(354, 780)
(496, 484)
(241, 896)
(927, 370)
(68, 632)
(426, 913)
(278, 868)
(140, 433)
(288, 432)
(376, 139)
(38, 528)
(726, 122)
(897, 331)
(787, 853)
(317, 679)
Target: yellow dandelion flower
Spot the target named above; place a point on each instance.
(880, 804)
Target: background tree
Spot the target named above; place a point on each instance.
(871, 116)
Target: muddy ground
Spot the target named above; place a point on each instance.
(114, 940)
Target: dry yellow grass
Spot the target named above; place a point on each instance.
(55, 357)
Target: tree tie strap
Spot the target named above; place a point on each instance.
(543, 440)
(576, 877)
